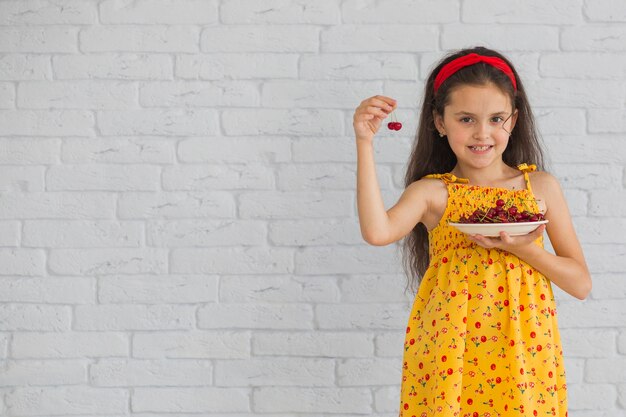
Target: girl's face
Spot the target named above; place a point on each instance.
(477, 122)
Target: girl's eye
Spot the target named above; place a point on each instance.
(494, 119)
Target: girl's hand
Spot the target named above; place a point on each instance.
(370, 114)
(508, 243)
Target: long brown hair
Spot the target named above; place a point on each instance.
(432, 154)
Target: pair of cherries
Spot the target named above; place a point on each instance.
(395, 124)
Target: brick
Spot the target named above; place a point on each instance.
(604, 11)
(128, 150)
(118, 317)
(314, 12)
(256, 288)
(46, 123)
(199, 94)
(39, 317)
(39, 39)
(379, 38)
(190, 400)
(358, 66)
(113, 66)
(591, 396)
(255, 316)
(368, 372)
(158, 122)
(607, 286)
(68, 12)
(127, 38)
(581, 65)
(315, 232)
(149, 289)
(305, 122)
(560, 12)
(588, 343)
(107, 261)
(236, 150)
(260, 38)
(7, 95)
(22, 262)
(218, 177)
(168, 205)
(226, 344)
(22, 178)
(17, 67)
(313, 343)
(593, 37)
(103, 177)
(402, 12)
(510, 37)
(373, 288)
(31, 401)
(70, 344)
(307, 372)
(54, 290)
(362, 316)
(76, 95)
(159, 11)
(603, 370)
(237, 66)
(294, 204)
(186, 233)
(142, 372)
(47, 372)
(316, 94)
(308, 400)
(29, 151)
(591, 313)
(232, 260)
(59, 205)
(347, 260)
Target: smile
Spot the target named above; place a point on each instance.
(480, 148)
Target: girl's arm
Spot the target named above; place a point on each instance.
(567, 269)
(378, 226)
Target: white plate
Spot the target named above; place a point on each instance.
(494, 229)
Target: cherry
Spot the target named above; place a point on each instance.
(501, 213)
(394, 125)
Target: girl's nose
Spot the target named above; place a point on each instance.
(482, 130)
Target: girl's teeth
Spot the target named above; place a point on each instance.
(482, 148)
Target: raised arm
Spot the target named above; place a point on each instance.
(378, 226)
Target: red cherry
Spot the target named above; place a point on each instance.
(391, 125)
(398, 125)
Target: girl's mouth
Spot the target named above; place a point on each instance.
(480, 149)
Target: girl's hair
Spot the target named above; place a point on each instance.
(432, 154)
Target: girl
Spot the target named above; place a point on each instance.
(482, 337)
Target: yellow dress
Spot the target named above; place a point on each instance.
(482, 338)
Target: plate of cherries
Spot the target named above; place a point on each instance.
(502, 217)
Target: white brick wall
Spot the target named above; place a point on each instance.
(178, 230)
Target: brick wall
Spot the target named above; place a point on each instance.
(178, 230)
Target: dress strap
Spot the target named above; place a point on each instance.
(525, 168)
(447, 178)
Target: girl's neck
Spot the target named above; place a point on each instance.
(490, 176)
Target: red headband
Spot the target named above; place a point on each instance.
(471, 59)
